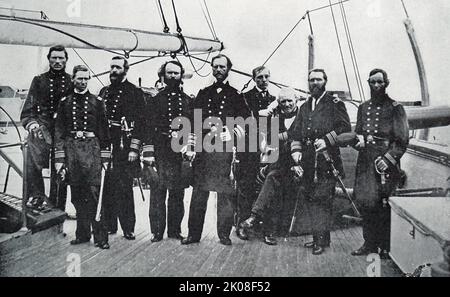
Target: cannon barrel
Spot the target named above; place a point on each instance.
(421, 117)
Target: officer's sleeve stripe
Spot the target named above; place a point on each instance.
(296, 146)
(283, 136)
(105, 154)
(390, 158)
(148, 150)
(239, 131)
(135, 144)
(60, 154)
(29, 124)
(332, 136)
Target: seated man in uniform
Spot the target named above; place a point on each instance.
(279, 189)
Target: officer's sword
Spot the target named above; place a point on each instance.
(294, 215)
(342, 186)
(140, 188)
(100, 196)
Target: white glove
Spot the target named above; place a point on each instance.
(60, 170)
(320, 145)
(132, 156)
(298, 171)
(149, 161)
(297, 157)
(360, 144)
(381, 164)
(225, 136)
(190, 156)
(35, 131)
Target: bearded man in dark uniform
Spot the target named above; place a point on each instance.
(42, 102)
(212, 166)
(82, 148)
(316, 128)
(171, 102)
(258, 100)
(381, 137)
(124, 108)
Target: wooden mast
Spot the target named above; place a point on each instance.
(423, 134)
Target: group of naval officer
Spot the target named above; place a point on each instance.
(96, 143)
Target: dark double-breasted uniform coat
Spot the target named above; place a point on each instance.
(82, 144)
(328, 120)
(124, 102)
(383, 125)
(166, 106)
(42, 102)
(249, 162)
(212, 169)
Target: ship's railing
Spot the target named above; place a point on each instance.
(11, 164)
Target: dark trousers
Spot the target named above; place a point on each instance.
(248, 169)
(85, 200)
(319, 207)
(119, 199)
(276, 202)
(197, 212)
(377, 226)
(38, 156)
(157, 212)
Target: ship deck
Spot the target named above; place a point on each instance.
(50, 256)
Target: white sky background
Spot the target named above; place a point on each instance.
(251, 29)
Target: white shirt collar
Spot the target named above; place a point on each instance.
(84, 92)
(260, 90)
(224, 81)
(313, 106)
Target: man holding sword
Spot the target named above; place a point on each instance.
(82, 150)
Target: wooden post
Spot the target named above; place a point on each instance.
(24, 185)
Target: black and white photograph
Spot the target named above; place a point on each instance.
(231, 140)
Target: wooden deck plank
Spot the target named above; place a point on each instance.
(207, 258)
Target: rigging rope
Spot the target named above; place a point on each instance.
(176, 17)
(159, 13)
(207, 21)
(278, 46)
(210, 19)
(340, 49)
(166, 28)
(352, 52)
(404, 8)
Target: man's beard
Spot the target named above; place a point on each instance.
(317, 91)
(172, 83)
(116, 78)
(377, 93)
